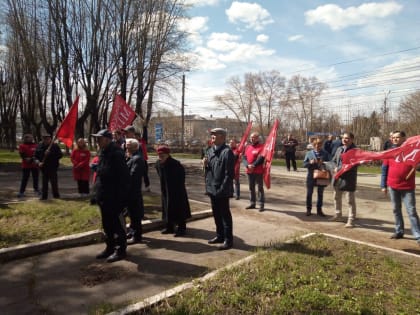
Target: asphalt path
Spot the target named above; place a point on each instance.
(72, 281)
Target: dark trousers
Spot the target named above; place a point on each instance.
(237, 187)
(146, 175)
(49, 176)
(291, 157)
(83, 186)
(113, 224)
(26, 172)
(256, 180)
(309, 192)
(222, 218)
(136, 212)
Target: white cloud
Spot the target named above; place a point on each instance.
(193, 27)
(223, 41)
(295, 38)
(338, 18)
(201, 3)
(245, 53)
(206, 59)
(262, 38)
(251, 14)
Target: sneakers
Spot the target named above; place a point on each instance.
(21, 195)
(349, 224)
(147, 189)
(396, 236)
(250, 207)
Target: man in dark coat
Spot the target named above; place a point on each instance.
(175, 204)
(112, 187)
(219, 166)
(135, 206)
(47, 156)
(346, 182)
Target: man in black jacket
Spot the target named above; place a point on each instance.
(135, 207)
(47, 156)
(112, 187)
(219, 172)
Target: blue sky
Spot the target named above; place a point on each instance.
(361, 50)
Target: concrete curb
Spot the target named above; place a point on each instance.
(80, 239)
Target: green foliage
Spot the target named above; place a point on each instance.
(318, 275)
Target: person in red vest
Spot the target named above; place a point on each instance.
(80, 158)
(253, 162)
(26, 152)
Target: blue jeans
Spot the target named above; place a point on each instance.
(409, 199)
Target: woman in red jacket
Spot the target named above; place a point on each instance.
(80, 158)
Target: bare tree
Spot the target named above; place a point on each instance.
(303, 99)
(409, 111)
(258, 98)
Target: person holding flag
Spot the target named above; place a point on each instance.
(236, 184)
(399, 179)
(253, 161)
(47, 156)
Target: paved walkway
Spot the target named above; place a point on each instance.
(72, 281)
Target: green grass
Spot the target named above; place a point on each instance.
(34, 221)
(318, 275)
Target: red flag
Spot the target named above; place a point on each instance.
(65, 132)
(268, 152)
(121, 115)
(408, 152)
(240, 148)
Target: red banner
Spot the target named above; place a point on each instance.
(65, 132)
(268, 153)
(122, 114)
(408, 152)
(240, 149)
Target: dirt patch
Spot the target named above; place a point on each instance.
(96, 274)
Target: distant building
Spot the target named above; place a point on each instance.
(196, 128)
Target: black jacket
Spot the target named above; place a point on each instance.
(52, 159)
(175, 204)
(220, 171)
(348, 180)
(136, 168)
(112, 179)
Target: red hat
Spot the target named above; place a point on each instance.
(163, 149)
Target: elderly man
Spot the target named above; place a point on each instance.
(253, 162)
(112, 187)
(219, 170)
(175, 205)
(135, 204)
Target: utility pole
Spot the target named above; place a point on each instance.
(182, 113)
(385, 111)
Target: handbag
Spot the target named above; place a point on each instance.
(321, 174)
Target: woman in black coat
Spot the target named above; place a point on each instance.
(175, 204)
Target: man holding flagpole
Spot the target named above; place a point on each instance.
(398, 178)
(253, 161)
(47, 156)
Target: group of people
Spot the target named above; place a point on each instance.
(120, 168)
(397, 178)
